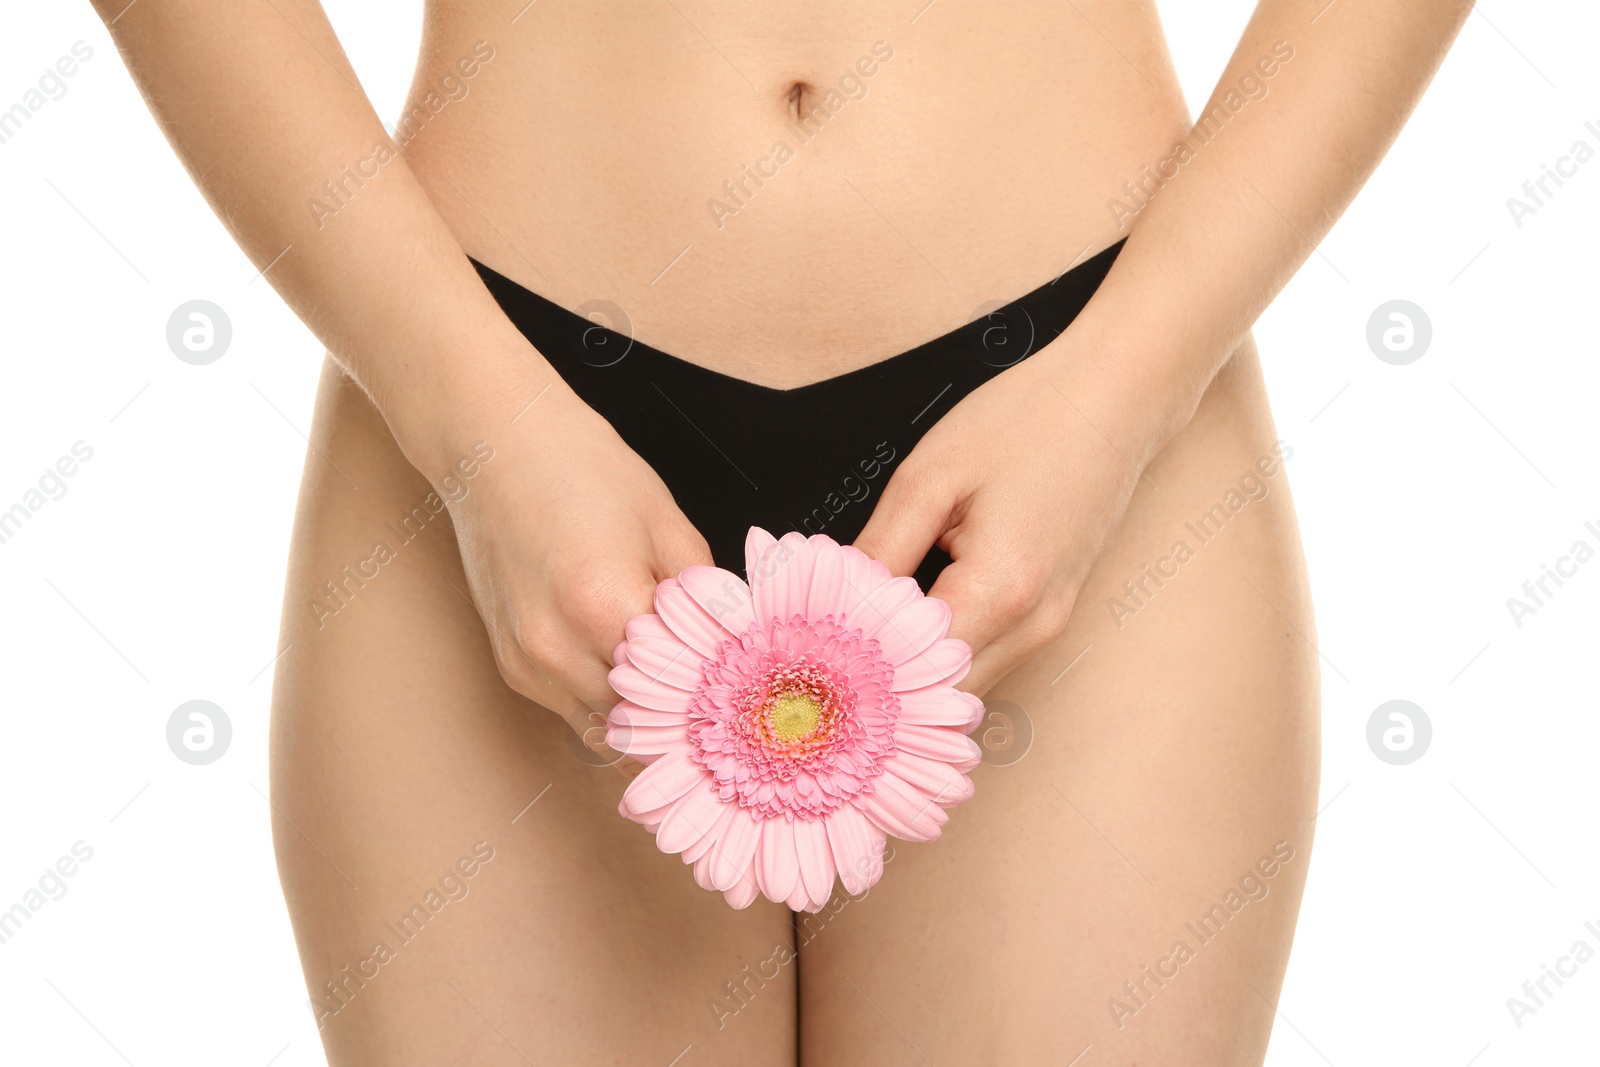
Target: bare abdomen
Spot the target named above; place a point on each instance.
(787, 193)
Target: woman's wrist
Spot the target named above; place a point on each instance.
(1135, 387)
(448, 414)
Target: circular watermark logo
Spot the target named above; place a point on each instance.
(586, 735)
(601, 348)
(199, 332)
(1399, 732)
(199, 732)
(1399, 332)
(1007, 336)
(1006, 733)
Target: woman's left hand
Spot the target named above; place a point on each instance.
(1022, 482)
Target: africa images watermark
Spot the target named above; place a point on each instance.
(741, 993)
(1251, 85)
(51, 885)
(51, 485)
(1141, 589)
(51, 84)
(337, 595)
(852, 489)
(338, 192)
(852, 86)
(1566, 567)
(1252, 888)
(1566, 967)
(339, 992)
(1566, 167)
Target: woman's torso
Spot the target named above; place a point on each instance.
(578, 163)
(658, 156)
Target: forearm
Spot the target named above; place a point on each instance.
(264, 112)
(1250, 192)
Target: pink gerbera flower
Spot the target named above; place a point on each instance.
(790, 724)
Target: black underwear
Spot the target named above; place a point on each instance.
(813, 459)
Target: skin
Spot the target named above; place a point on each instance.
(1171, 748)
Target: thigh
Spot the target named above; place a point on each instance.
(1129, 886)
(461, 886)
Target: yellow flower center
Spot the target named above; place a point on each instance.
(794, 715)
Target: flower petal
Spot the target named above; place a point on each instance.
(913, 629)
(626, 714)
(977, 714)
(735, 851)
(649, 626)
(935, 779)
(722, 595)
(903, 810)
(945, 661)
(800, 899)
(758, 546)
(857, 848)
(780, 576)
(702, 848)
(744, 894)
(827, 591)
(647, 692)
(644, 741)
(862, 575)
(702, 871)
(689, 819)
(940, 705)
(879, 608)
(816, 860)
(671, 662)
(687, 620)
(619, 655)
(777, 864)
(661, 783)
(938, 743)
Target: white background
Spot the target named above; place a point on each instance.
(1428, 493)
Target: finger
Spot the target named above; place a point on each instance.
(981, 606)
(594, 614)
(588, 724)
(632, 596)
(909, 518)
(587, 710)
(681, 546)
(998, 604)
(1000, 657)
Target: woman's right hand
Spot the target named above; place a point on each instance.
(563, 536)
(566, 531)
